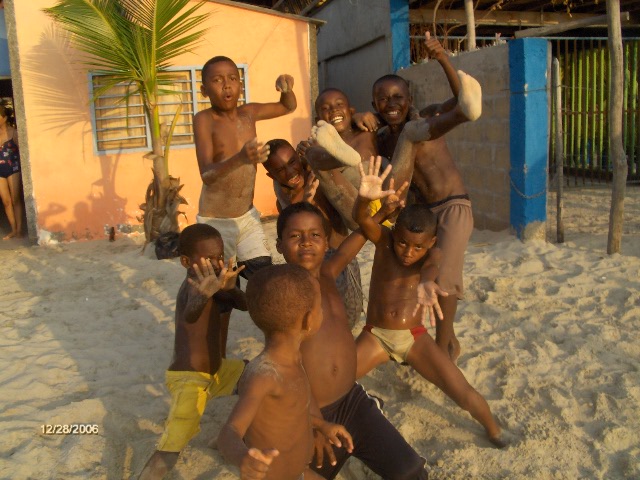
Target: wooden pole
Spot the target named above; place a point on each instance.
(565, 26)
(616, 147)
(557, 91)
(471, 25)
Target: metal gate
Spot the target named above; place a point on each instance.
(584, 75)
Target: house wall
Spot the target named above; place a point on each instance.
(481, 148)
(75, 192)
(503, 155)
(354, 47)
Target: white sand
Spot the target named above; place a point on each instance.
(550, 336)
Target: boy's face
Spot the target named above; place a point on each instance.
(392, 100)
(304, 241)
(410, 247)
(285, 167)
(333, 107)
(221, 84)
(211, 248)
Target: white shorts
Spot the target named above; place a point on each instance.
(243, 236)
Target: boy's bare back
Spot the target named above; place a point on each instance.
(282, 420)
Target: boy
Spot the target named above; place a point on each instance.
(228, 152)
(198, 372)
(404, 256)
(294, 182)
(275, 413)
(435, 179)
(329, 357)
(337, 150)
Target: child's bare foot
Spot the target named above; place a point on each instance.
(469, 96)
(417, 130)
(327, 137)
(502, 440)
(10, 235)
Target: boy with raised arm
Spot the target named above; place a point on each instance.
(228, 152)
(198, 371)
(294, 182)
(435, 180)
(269, 433)
(329, 357)
(405, 256)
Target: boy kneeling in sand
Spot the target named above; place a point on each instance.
(276, 413)
(405, 256)
(198, 372)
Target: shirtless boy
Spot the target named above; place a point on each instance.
(269, 433)
(404, 256)
(228, 152)
(337, 151)
(329, 357)
(434, 177)
(294, 182)
(198, 372)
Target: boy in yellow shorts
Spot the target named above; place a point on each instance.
(198, 372)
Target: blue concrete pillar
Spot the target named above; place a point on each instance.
(5, 71)
(529, 138)
(400, 42)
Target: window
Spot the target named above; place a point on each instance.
(122, 125)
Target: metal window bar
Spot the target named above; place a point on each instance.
(118, 126)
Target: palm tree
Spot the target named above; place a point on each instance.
(131, 43)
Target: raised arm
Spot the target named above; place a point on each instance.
(370, 189)
(251, 461)
(287, 103)
(435, 51)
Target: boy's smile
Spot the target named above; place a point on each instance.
(333, 107)
(285, 167)
(304, 241)
(391, 99)
(411, 247)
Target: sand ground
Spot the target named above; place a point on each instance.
(550, 336)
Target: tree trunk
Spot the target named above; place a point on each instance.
(471, 25)
(616, 147)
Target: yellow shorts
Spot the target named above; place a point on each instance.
(190, 392)
(374, 206)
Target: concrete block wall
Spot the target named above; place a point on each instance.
(481, 149)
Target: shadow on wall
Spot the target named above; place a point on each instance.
(102, 201)
(52, 73)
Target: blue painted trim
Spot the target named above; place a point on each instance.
(529, 137)
(400, 41)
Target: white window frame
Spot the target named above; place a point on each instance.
(198, 102)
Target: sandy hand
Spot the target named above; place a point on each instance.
(229, 274)
(371, 184)
(393, 203)
(434, 48)
(469, 96)
(255, 152)
(284, 83)
(206, 282)
(428, 301)
(327, 137)
(255, 464)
